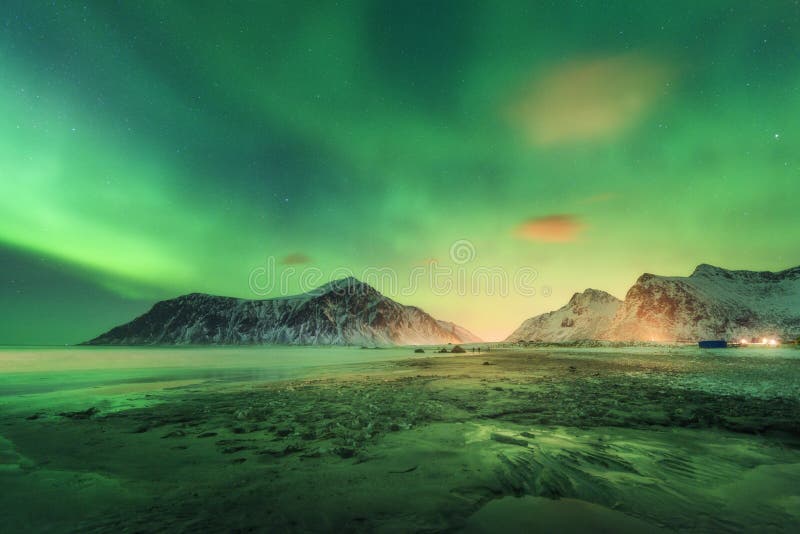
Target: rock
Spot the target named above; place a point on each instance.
(85, 414)
(284, 431)
(285, 451)
(345, 452)
(292, 448)
(403, 471)
(553, 484)
(510, 440)
(234, 449)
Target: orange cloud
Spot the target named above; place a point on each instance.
(550, 229)
(296, 258)
(590, 100)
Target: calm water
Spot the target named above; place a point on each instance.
(26, 370)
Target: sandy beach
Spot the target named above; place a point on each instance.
(620, 440)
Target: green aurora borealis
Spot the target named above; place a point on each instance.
(149, 149)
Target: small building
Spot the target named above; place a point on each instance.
(713, 344)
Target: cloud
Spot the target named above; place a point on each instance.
(550, 229)
(591, 99)
(296, 258)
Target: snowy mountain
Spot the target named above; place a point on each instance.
(344, 312)
(712, 303)
(587, 315)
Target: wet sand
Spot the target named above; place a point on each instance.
(561, 440)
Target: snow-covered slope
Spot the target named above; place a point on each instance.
(460, 332)
(587, 315)
(344, 312)
(712, 303)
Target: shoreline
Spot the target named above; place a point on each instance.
(654, 438)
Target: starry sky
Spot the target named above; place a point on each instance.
(150, 149)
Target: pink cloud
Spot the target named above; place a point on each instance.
(296, 258)
(550, 229)
(591, 99)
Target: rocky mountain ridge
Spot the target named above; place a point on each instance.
(343, 312)
(711, 303)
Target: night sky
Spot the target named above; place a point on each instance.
(151, 149)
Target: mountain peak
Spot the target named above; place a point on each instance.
(586, 316)
(705, 269)
(592, 295)
(348, 285)
(708, 271)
